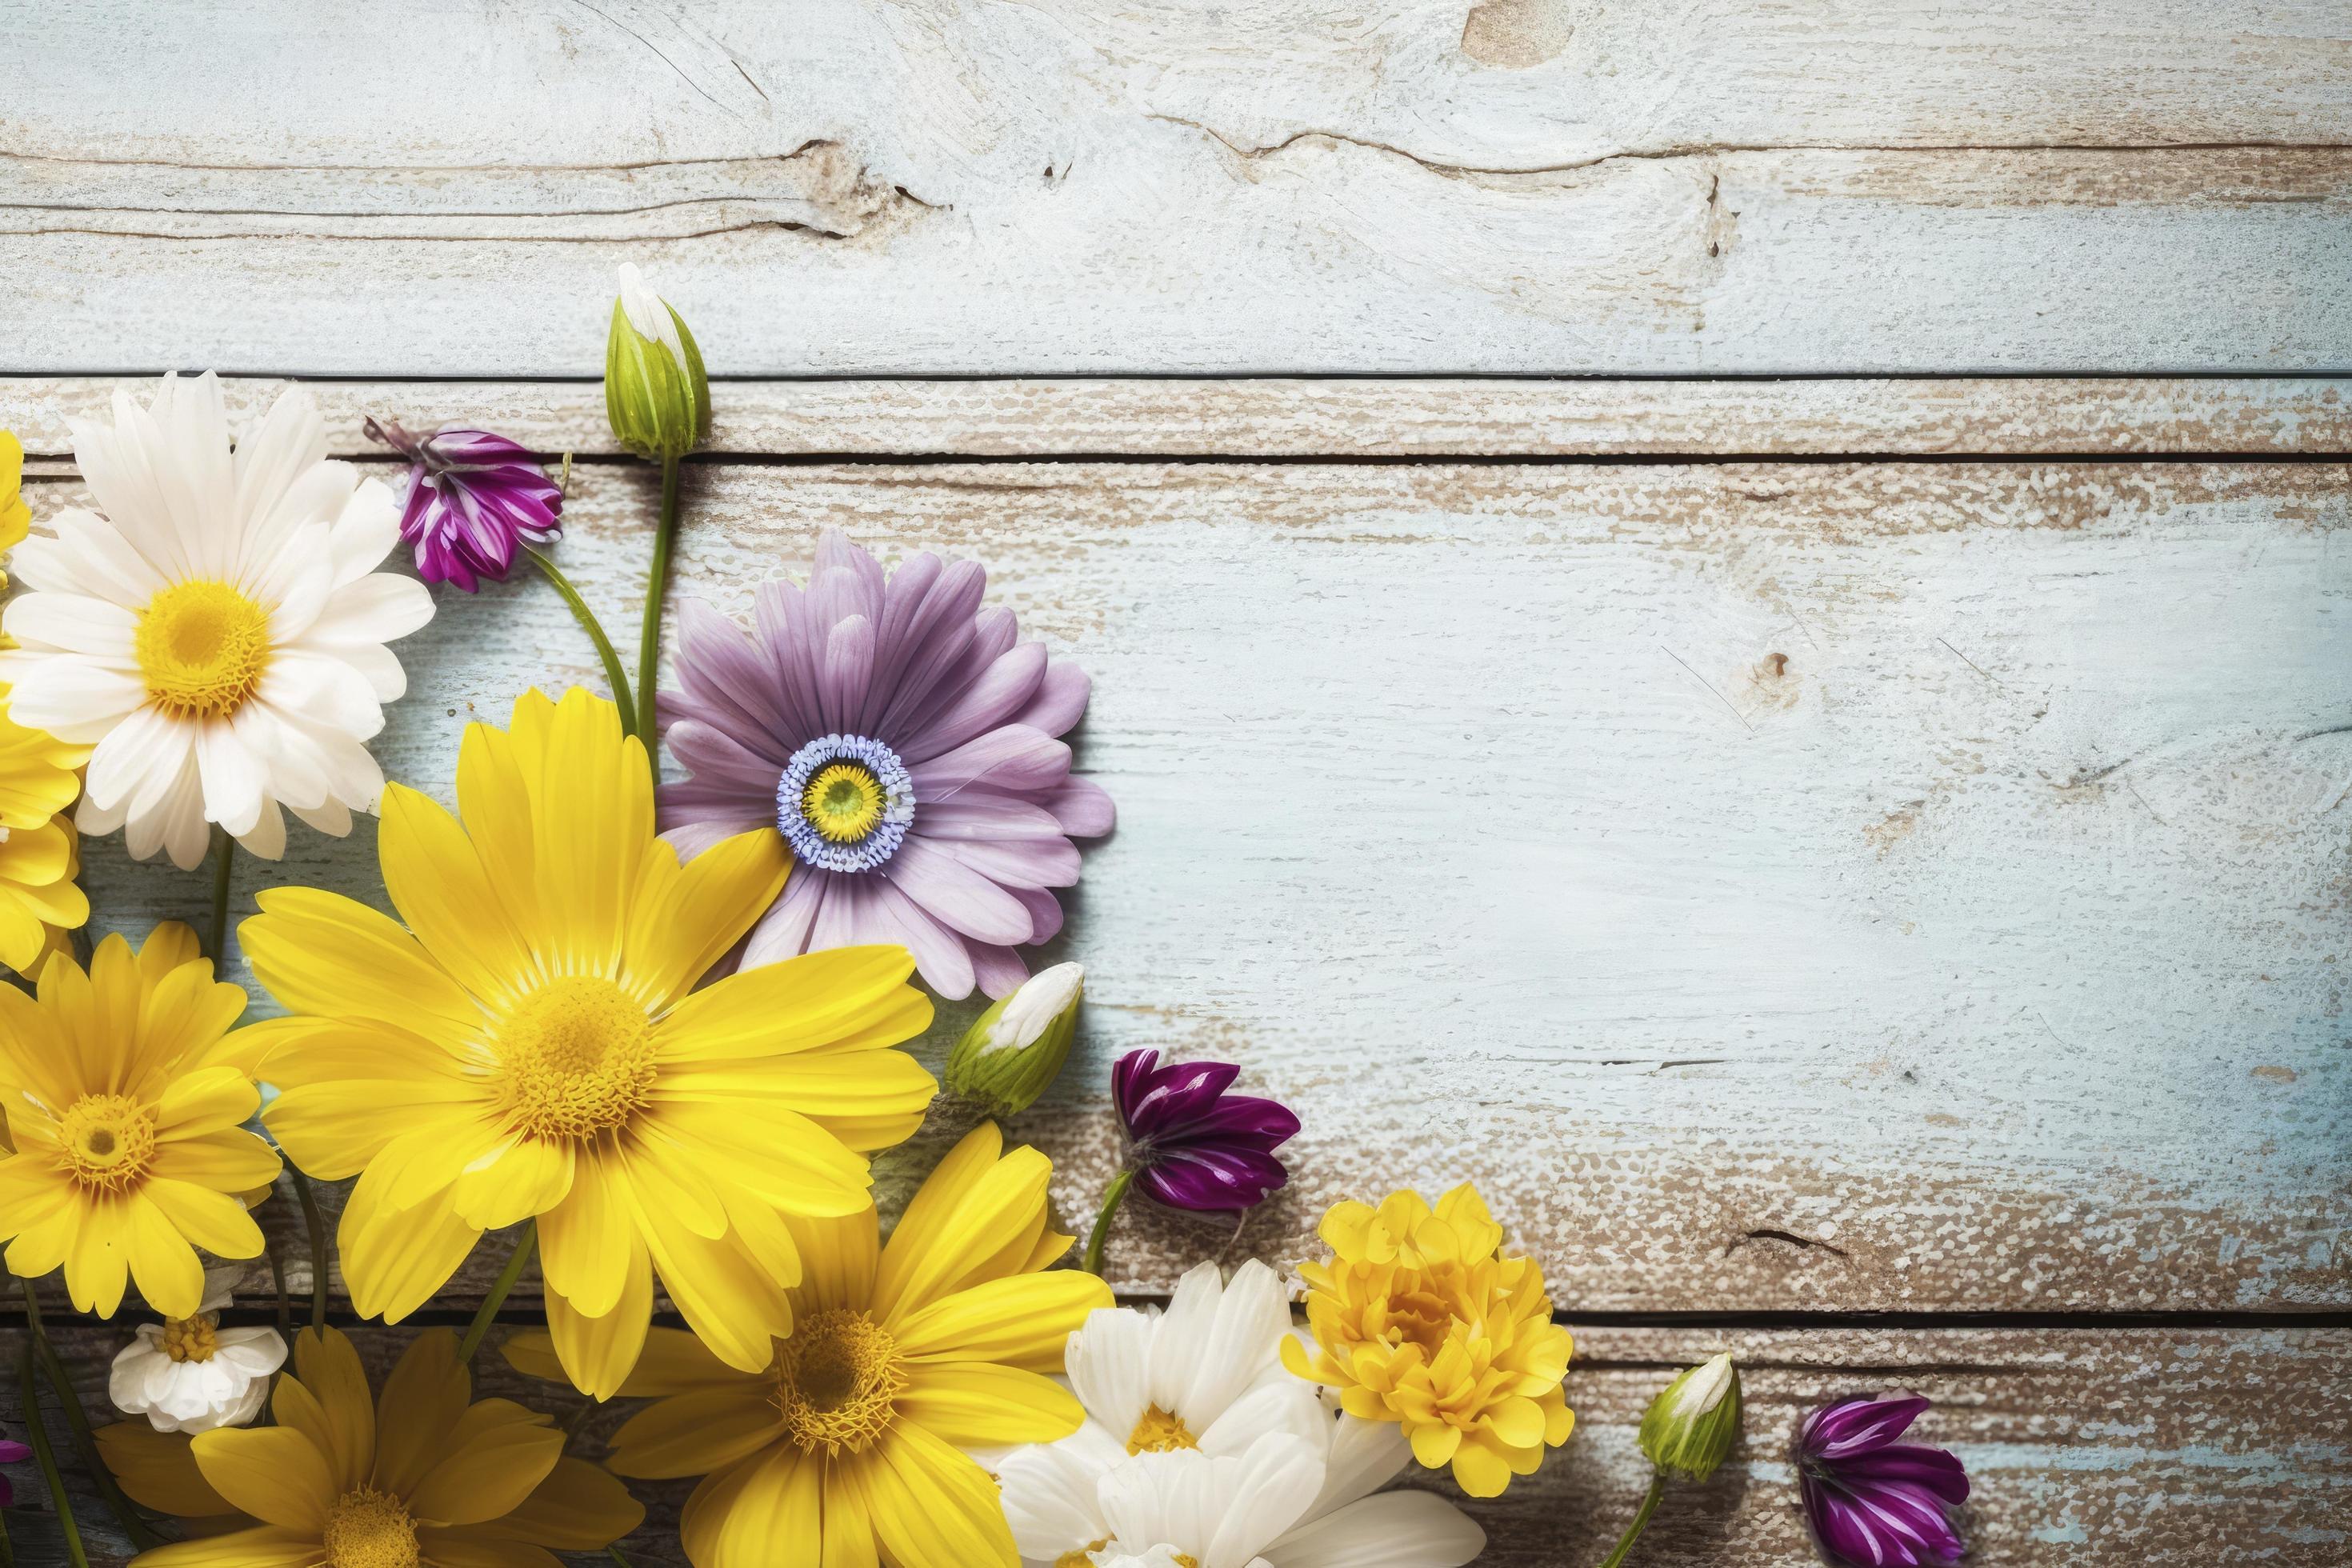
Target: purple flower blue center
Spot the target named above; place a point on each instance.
(844, 804)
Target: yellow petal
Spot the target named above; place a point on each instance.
(274, 1473)
(974, 1406)
(322, 954)
(526, 1177)
(591, 817)
(209, 1217)
(167, 1269)
(265, 1548)
(1025, 1321)
(394, 1259)
(683, 919)
(696, 1433)
(206, 1101)
(421, 1403)
(781, 1499)
(802, 1003)
(597, 1353)
(329, 1366)
(987, 1234)
(587, 1244)
(158, 1471)
(578, 1508)
(488, 1475)
(231, 1162)
(1480, 1470)
(436, 881)
(932, 1506)
(928, 1215)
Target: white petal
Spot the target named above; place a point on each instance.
(117, 461)
(135, 763)
(1395, 1529)
(87, 555)
(256, 1353)
(1108, 1363)
(1365, 1455)
(1276, 1481)
(318, 690)
(1238, 1345)
(1049, 1500)
(378, 608)
(266, 839)
(1289, 1408)
(192, 471)
(289, 442)
(234, 778)
(365, 531)
(75, 697)
(333, 819)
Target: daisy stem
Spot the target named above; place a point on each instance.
(1633, 1531)
(38, 1433)
(224, 846)
(649, 639)
(7, 1550)
(613, 675)
(498, 1296)
(1112, 1196)
(316, 1223)
(77, 1423)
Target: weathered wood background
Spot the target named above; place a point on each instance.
(1802, 737)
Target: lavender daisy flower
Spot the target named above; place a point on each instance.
(1872, 1501)
(473, 499)
(903, 741)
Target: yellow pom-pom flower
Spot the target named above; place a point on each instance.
(418, 1477)
(1419, 1319)
(847, 1447)
(40, 853)
(123, 1089)
(532, 1043)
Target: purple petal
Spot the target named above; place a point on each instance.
(1017, 863)
(1239, 1119)
(955, 894)
(942, 956)
(1003, 689)
(730, 682)
(942, 634)
(985, 816)
(14, 1453)
(1060, 701)
(1848, 1534)
(1014, 759)
(1858, 1426)
(1082, 807)
(999, 969)
(1177, 1094)
(1045, 913)
(783, 931)
(1908, 1464)
(1212, 1180)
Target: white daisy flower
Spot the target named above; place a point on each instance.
(190, 1374)
(1200, 1448)
(218, 634)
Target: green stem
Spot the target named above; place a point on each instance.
(613, 675)
(37, 1432)
(1112, 1196)
(614, 1553)
(223, 847)
(78, 1423)
(7, 1550)
(498, 1296)
(316, 1223)
(649, 639)
(1633, 1531)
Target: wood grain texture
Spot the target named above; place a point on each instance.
(1879, 886)
(2126, 1446)
(1274, 418)
(1421, 185)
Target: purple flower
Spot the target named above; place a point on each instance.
(473, 499)
(1192, 1145)
(902, 740)
(1874, 1501)
(11, 1453)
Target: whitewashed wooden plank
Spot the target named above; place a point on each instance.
(2284, 417)
(1789, 885)
(1533, 185)
(2155, 1448)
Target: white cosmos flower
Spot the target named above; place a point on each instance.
(1198, 1444)
(218, 634)
(190, 1374)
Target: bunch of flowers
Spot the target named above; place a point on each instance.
(648, 1034)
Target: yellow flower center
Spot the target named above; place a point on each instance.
(1160, 1432)
(190, 1339)
(575, 1059)
(1084, 1557)
(844, 802)
(202, 649)
(368, 1528)
(837, 1381)
(105, 1141)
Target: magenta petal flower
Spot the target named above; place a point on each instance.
(1191, 1144)
(11, 1453)
(473, 499)
(903, 740)
(1874, 1502)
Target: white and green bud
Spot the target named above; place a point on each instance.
(1012, 1052)
(655, 394)
(1692, 1426)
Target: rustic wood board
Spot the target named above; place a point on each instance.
(1417, 185)
(1890, 886)
(2119, 1445)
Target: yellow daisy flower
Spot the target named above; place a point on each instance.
(1420, 1320)
(416, 1479)
(40, 853)
(533, 1044)
(16, 518)
(845, 1449)
(123, 1089)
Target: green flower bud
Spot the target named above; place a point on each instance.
(655, 395)
(1012, 1052)
(1692, 1426)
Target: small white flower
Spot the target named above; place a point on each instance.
(649, 312)
(218, 635)
(1199, 1445)
(1041, 999)
(190, 1374)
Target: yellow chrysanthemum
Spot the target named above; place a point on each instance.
(40, 853)
(533, 1044)
(16, 518)
(845, 1449)
(418, 1478)
(123, 1089)
(1419, 1319)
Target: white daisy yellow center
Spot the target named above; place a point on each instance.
(190, 1339)
(575, 1059)
(1084, 1557)
(202, 648)
(1159, 1431)
(105, 1141)
(837, 1381)
(369, 1528)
